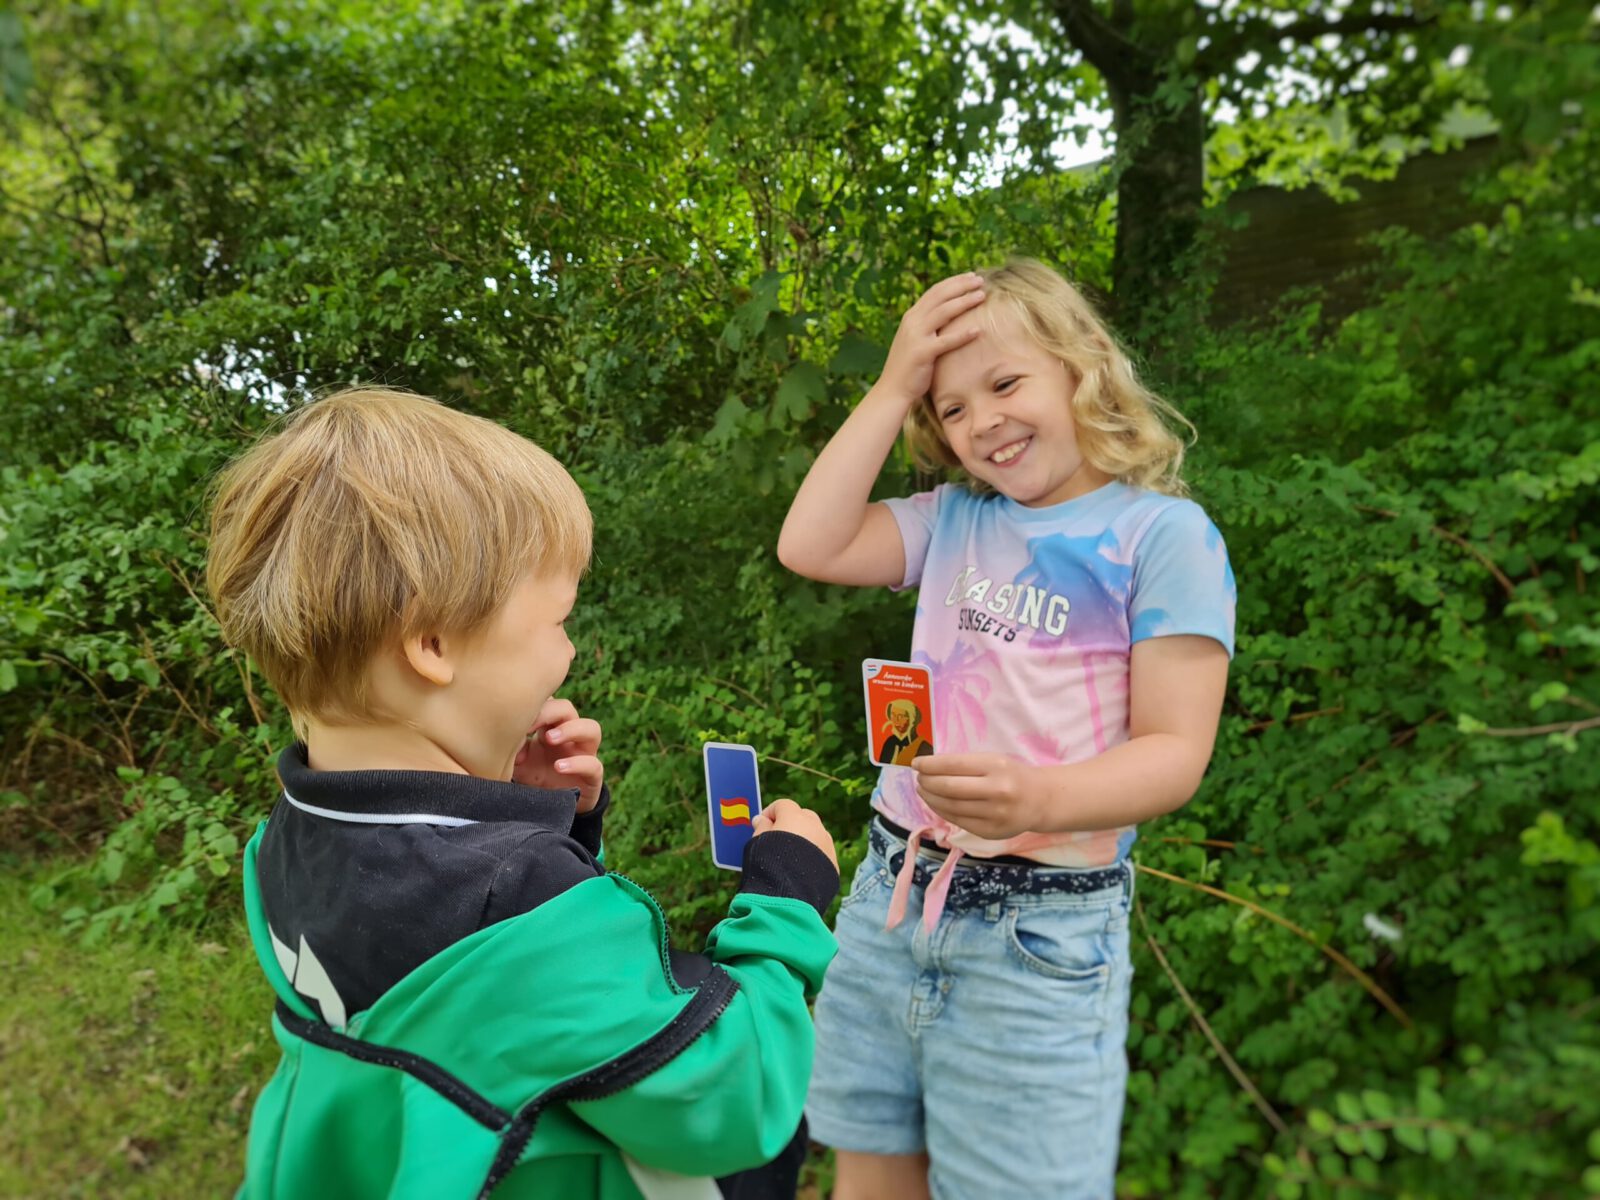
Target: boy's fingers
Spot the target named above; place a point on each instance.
(778, 809)
(584, 767)
(556, 710)
(580, 732)
(553, 713)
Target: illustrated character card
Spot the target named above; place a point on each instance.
(899, 711)
(733, 800)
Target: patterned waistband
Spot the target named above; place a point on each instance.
(976, 884)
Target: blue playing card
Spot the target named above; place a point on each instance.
(733, 800)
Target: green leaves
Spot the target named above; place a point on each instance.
(750, 318)
(698, 264)
(803, 388)
(857, 355)
(1442, 1143)
(16, 68)
(1402, 542)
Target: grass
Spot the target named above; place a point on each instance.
(127, 1069)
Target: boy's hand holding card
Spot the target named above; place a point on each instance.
(733, 800)
(899, 711)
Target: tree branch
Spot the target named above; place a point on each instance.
(1108, 49)
(86, 179)
(1230, 44)
(1307, 28)
(1500, 577)
(1368, 983)
(1228, 1061)
(1541, 730)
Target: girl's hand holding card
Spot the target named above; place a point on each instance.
(991, 795)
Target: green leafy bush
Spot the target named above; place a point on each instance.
(1390, 984)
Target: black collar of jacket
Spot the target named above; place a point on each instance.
(420, 797)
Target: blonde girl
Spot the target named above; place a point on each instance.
(1076, 614)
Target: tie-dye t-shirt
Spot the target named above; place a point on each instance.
(1026, 616)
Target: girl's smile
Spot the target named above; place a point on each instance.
(1010, 453)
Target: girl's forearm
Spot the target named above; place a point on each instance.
(831, 504)
(1136, 781)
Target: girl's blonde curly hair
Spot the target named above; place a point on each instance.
(1123, 428)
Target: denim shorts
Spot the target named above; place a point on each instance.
(996, 1042)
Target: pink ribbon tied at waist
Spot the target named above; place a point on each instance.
(938, 886)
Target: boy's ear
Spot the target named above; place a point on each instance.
(428, 654)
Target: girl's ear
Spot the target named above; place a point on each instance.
(429, 656)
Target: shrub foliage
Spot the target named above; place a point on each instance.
(673, 253)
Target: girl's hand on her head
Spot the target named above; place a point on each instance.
(560, 753)
(991, 795)
(789, 817)
(920, 340)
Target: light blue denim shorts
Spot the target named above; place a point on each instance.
(997, 1042)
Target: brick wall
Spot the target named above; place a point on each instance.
(1300, 238)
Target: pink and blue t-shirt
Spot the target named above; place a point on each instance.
(1026, 618)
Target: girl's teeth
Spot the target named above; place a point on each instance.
(1010, 452)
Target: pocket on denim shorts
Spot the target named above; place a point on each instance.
(1069, 943)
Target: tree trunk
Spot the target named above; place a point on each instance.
(1160, 195)
(1160, 153)
(1159, 201)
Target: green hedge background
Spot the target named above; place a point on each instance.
(671, 243)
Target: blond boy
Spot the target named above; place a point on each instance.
(468, 1002)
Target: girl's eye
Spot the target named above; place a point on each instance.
(950, 413)
(1002, 385)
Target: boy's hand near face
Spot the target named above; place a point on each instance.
(560, 753)
(788, 817)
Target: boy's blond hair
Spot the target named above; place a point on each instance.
(1123, 428)
(374, 516)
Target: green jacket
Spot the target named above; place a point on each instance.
(459, 1081)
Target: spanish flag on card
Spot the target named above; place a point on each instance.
(733, 799)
